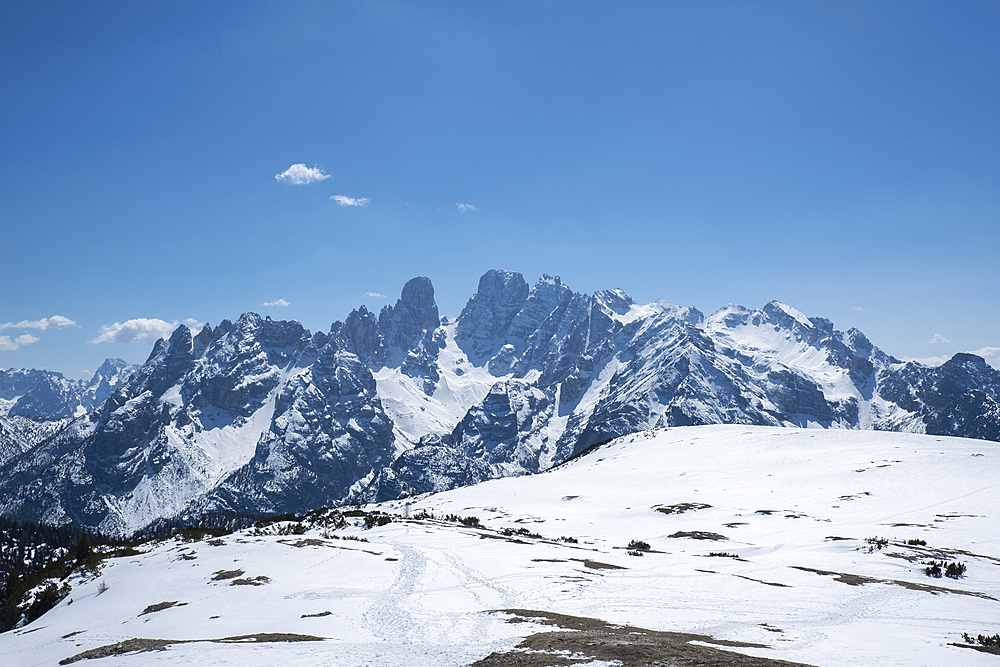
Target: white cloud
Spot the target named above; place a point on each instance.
(466, 208)
(938, 338)
(928, 361)
(299, 174)
(56, 321)
(8, 344)
(344, 200)
(990, 354)
(280, 303)
(375, 295)
(140, 330)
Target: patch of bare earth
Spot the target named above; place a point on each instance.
(597, 565)
(995, 650)
(582, 640)
(699, 535)
(680, 508)
(160, 606)
(140, 645)
(859, 580)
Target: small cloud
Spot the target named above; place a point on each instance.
(85, 373)
(56, 322)
(299, 174)
(8, 344)
(466, 208)
(278, 303)
(344, 200)
(938, 338)
(862, 309)
(140, 330)
(375, 295)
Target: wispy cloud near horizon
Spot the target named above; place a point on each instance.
(466, 208)
(990, 354)
(139, 330)
(56, 322)
(344, 200)
(278, 303)
(374, 295)
(300, 174)
(938, 338)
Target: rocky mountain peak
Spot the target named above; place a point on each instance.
(486, 318)
(968, 359)
(415, 314)
(418, 295)
(615, 300)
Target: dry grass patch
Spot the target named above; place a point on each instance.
(140, 645)
(160, 606)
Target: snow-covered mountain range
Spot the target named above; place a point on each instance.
(264, 416)
(45, 395)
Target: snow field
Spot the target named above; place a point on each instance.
(417, 592)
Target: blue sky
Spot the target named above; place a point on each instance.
(842, 157)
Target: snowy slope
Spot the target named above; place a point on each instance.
(414, 412)
(792, 507)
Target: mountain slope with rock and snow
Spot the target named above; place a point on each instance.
(261, 416)
(802, 545)
(44, 395)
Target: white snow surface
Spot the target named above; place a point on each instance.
(415, 414)
(419, 592)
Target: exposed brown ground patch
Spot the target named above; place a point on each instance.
(680, 508)
(995, 650)
(582, 640)
(140, 645)
(699, 535)
(860, 580)
(597, 565)
(761, 581)
(160, 606)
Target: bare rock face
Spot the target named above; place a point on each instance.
(486, 319)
